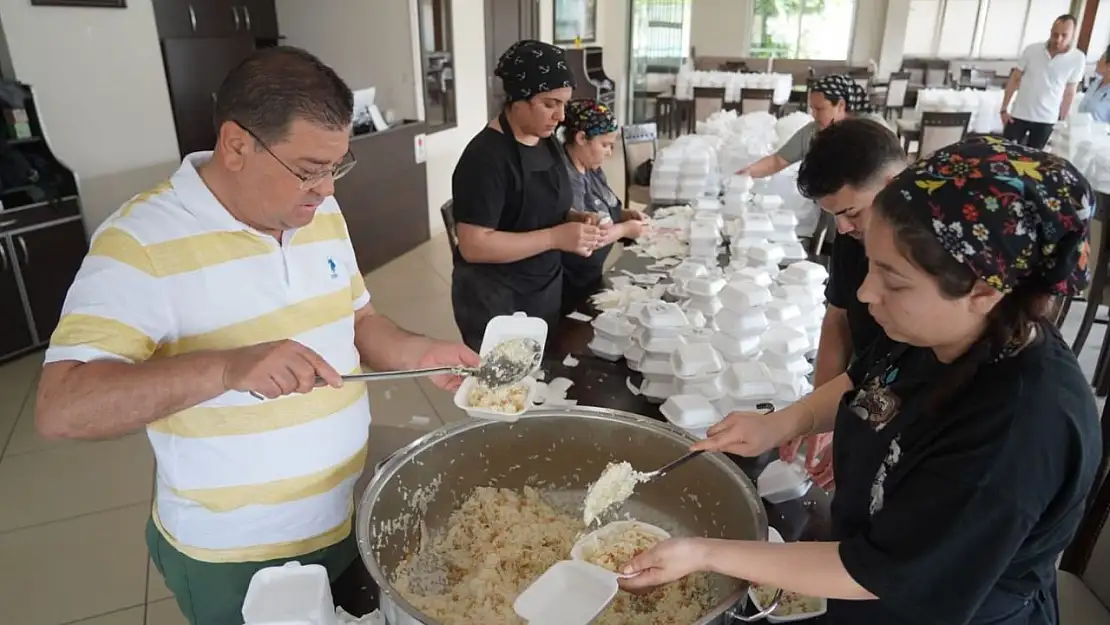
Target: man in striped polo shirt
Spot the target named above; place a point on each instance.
(236, 276)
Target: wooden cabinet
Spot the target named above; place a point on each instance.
(194, 70)
(177, 19)
(48, 259)
(15, 336)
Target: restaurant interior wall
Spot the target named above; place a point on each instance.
(101, 92)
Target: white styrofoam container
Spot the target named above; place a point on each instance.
(804, 272)
(706, 286)
(708, 307)
(696, 360)
(663, 316)
(766, 254)
(780, 482)
(741, 295)
(657, 391)
(654, 364)
(742, 324)
(655, 344)
(785, 342)
(735, 349)
(462, 397)
(756, 275)
(607, 348)
(710, 387)
(774, 537)
(756, 224)
(749, 381)
(792, 250)
(290, 593)
(688, 270)
(779, 311)
(576, 590)
(804, 295)
(516, 326)
(689, 411)
(613, 323)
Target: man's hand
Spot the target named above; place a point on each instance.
(1006, 117)
(577, 238)
(276, 369)
(441, 354)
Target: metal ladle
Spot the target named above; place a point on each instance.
(502, 366)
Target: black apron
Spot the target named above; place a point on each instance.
(476, 295)
(860, 453)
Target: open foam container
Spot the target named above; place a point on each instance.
(498, 330)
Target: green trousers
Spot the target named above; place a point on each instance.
(212, 593)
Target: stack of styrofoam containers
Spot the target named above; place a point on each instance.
(697, 369)
(663, 327)
(612, 335)
(704, 295)
(741, 320)
(785, 224)
(692, 412)
(705, 239)
(682, 274)
(784, 349)
(738, 194)
(802, 285)
(747, 385)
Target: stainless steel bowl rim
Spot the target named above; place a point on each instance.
(385, 470)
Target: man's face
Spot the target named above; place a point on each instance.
(1061, 37)
(851, 208)
(287, 182)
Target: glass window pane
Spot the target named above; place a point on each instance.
(923, 27)
(1004, 18)
(827, 32)
(775, 28)
(958, 28)
(1041, 15)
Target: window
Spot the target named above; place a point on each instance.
(803, 29)
(437, 53)
(659, 44)
(986, 29)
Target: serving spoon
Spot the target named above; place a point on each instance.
(506, 364)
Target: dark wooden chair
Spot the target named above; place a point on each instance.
(639, 143)
(896, 89)
(448, 213)
(707, 101)
(753, 101)
(1096, 295)
(939, 130)
(1084, 576)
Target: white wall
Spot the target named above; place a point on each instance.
(101, 93)
(361, 41)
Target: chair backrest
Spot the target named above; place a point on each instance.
(639, 143)
(896, 89)
(936, 73)
(941, 129)
(707, 101)
(1088, 555)
(753, 100)
(447, 211)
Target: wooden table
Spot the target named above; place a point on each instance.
(602, 383)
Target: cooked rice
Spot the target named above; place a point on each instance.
(497, 543)
(507, 400)
(790, 604)
(614, 552)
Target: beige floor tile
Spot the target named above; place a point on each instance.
(17, 383)
(443, 402)
(74, 569)
(68, 481)
(428, 314)
(396, 403)
(156, 589)
(437, 252)
(164, 612)
(25, 438)
(408, 275)
(130, 616)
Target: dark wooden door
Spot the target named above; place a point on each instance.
(15, 332)
(48, 261)
(194, 70)
(197, 18)
(507, 22)
(259, 18)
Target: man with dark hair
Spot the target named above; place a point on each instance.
(217, 312)
(1045, 79)
(846, 166)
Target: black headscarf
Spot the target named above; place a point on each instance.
(529, 68)
(842, 87)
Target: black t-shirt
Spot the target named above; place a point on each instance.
(975, 501)
(847, 272)
(591, 195)
(487, 191)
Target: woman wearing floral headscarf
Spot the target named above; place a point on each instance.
(968, 438)
(590, 131)
(512, 197)
(831, 99)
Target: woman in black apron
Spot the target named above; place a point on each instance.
(511, 199)
(590, 132)
(968, 438)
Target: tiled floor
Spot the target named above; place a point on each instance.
(72, 514)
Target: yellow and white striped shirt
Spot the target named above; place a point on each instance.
(172, 272)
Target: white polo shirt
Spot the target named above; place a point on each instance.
(172, 272)
(1043, 79)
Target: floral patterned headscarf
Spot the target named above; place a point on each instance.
(1012, 214)
(590, 117)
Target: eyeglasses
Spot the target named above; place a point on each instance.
(309, 181)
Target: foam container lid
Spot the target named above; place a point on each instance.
(741, 295)
(689, 411)
(516, 326)
(804, 272)
(696, 360)
(663, 315)
(575, 590)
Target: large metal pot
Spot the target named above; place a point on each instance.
(561, 452)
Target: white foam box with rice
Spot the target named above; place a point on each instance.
(792, 607)
(498, 330)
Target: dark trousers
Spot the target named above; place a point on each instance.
(1032, 134)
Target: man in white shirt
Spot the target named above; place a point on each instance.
(1045, 79)
(233, 280)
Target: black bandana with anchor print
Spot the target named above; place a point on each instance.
(529, 68)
